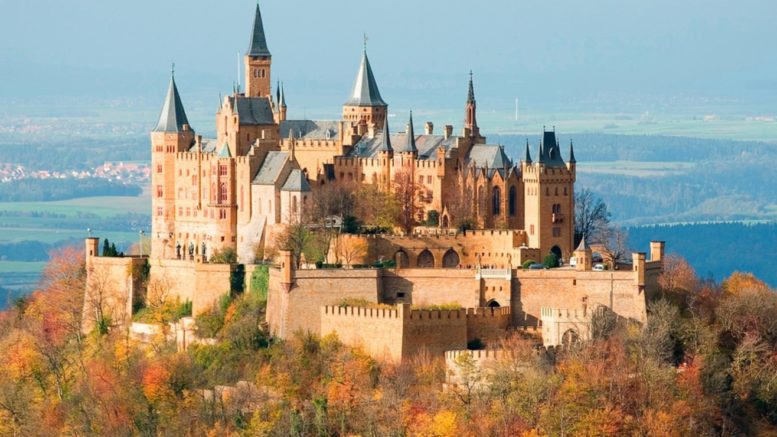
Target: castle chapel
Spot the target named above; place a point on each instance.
(239, 189)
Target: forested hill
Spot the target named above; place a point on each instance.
(717, 250)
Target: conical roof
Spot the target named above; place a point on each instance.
(572, 153)
(471, 91)
(583, 246)
(365, 88)
(409, 146)
(173, 116)
(385, 142)
(528, 154)
(257, 46)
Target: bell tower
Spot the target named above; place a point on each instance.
(258, 61)
(365, 104)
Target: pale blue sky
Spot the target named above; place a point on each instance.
(547, 53)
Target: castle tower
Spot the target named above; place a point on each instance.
(171, 135)
(282, 105)
(258, 61)
(408, 150)
(471, 128)
(386, 154)
(549, 199)
(365, 104)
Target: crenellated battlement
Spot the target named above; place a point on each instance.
(357, 311)
(487, 312)
(564, 314)
(482, 354)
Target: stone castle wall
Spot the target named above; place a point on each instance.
(113, 285)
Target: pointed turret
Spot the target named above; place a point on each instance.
(258, 61)
(528, 153)
(365, 105)
(572, 159)
(173, 117)
(409, 146)
(257, 46)
(385, 143)
(365, 87)
(470, 118)
(282, 100)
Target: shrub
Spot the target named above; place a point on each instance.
(527, 263)
(432, 218)
(260, 281)
(363, 303)
(550, 261)
(226, 256)
(450, 306)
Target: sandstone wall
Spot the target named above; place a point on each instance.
(299, 308)
(432, 286)
(489, 325)
(202, 284)
(113, 284)
(433, 331)
(377, 331)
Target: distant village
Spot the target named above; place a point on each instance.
(124, 172)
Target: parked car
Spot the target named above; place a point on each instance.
(598, 267)
(537, 266)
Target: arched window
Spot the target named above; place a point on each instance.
(425, 259)
(511, 199)
(223, 193)
(293, 204)
(450, 259)
(496, 201)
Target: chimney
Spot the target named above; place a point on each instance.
(448, 131)
(429, 128)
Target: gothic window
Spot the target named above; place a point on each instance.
(531, 230)
(159, 168)
(511, 201)
(556, 208)
(496, 201)
(223, 193)
(159, 191)
(160, 211)
(293, 204)
(428, 179)
(222, 170)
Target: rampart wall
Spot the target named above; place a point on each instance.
(299, 308)
(113, 285)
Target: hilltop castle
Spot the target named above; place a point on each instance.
(234, 191)
(239, 190)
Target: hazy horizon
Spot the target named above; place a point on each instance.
(607, 56)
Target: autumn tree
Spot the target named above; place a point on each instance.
(375, 208)
(591, 217)
(408, 196)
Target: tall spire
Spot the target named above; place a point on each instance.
(409, 146)
(173, 116)
(572, 153)
(282, 99)
(528, 154)
(470, 118)
(365, 88)
(471, 91)
(278, 92)
(257, 46)
(385, 143)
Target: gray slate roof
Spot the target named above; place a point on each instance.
(224, 152)
(209, 145)
(253, 110)
(427, 145)
(409, 145)
(257, 46)
(173, 116)
(550, 152)
(488, 155)
(365, 88)
(271, 168)
(310, 129)
(296, 181)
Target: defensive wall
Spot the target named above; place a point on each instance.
(113, 285)
(296, 297)
(397, 333)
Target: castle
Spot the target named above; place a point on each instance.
(239, 190)
(236, 190)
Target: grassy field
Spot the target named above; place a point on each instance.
(100, 206)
